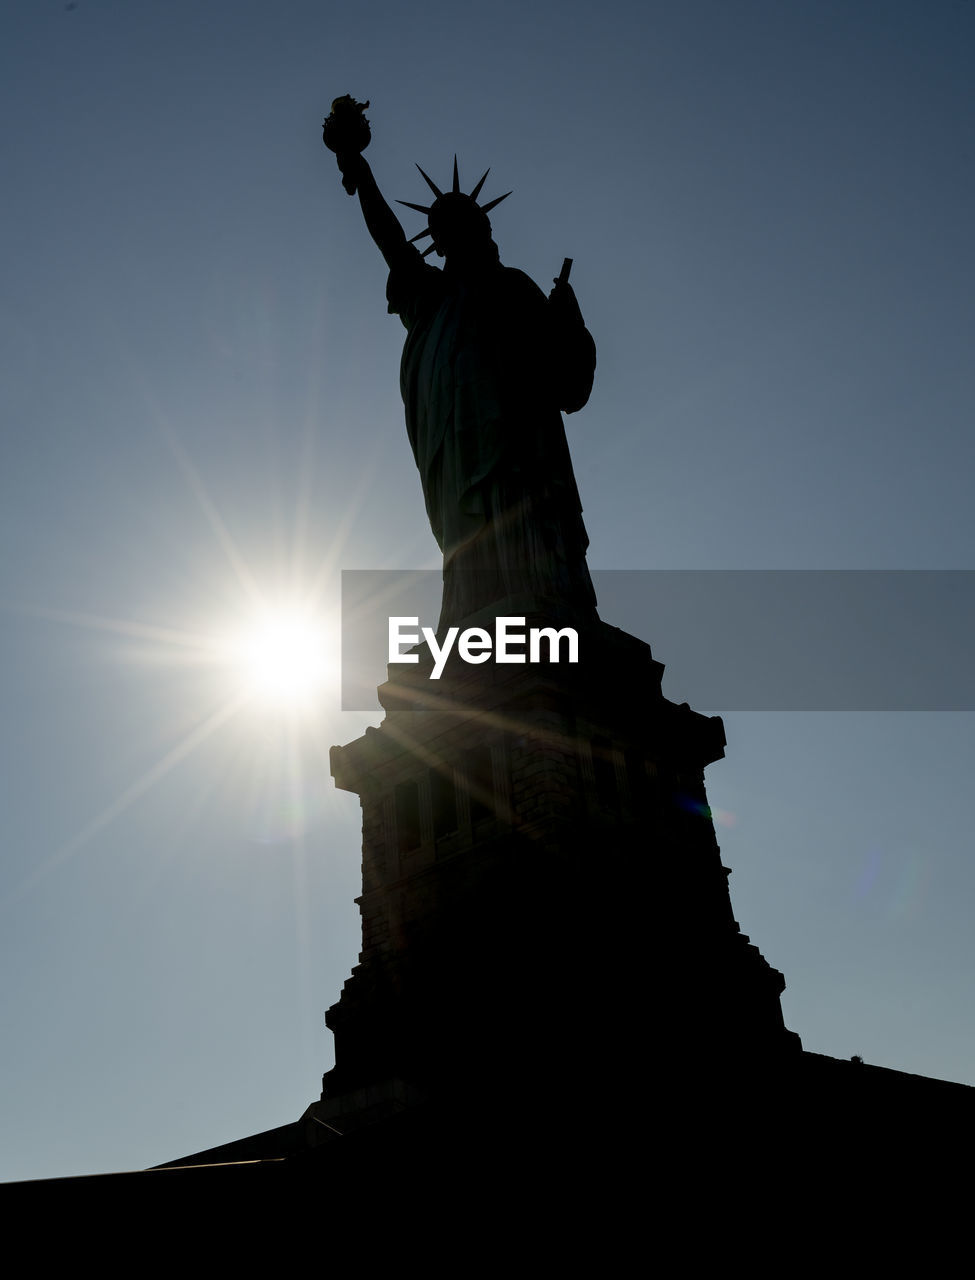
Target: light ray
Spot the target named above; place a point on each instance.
(353, 506)
(195, 738)
(214, 519)
(116, 626)
(307, 466)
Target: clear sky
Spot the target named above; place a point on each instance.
(769, 206)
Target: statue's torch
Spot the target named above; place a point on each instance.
(346, 132)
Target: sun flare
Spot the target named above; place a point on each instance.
(282, 658)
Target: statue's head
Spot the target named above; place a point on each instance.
(456, 221)
(458, 225)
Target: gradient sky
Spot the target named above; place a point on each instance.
(769, 206)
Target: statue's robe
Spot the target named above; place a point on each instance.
(487, 364)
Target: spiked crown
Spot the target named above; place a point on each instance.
(453, 211)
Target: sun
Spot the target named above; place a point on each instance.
(281, 656)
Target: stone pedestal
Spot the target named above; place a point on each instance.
(544, 911)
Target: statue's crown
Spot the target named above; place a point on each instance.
(451, 205)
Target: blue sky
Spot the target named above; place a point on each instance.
(769, 207)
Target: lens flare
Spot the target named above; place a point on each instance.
(282, 657)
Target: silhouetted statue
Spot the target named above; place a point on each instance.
(488, 363)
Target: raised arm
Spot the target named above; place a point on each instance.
(382, 224)
(346, 133)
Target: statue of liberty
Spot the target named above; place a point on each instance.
(487, 365)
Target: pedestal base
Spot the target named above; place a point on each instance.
(544, 909)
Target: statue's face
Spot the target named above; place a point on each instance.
(458, 226)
